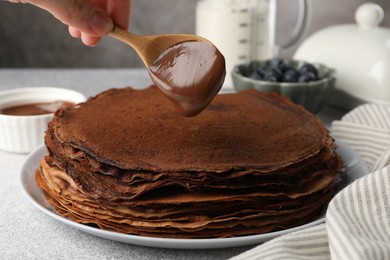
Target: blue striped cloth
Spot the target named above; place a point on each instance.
(358, 218)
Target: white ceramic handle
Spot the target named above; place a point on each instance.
(301, 27)
(369, 15)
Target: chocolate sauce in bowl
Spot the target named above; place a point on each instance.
(190, 74)
(33, 109)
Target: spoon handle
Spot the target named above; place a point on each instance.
(141, 44)
(150, 47)
(125, 36)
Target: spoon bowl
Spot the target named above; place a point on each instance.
(187, 68)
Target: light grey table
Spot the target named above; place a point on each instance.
(26, 232)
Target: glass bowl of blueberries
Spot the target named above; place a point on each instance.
(308, 84)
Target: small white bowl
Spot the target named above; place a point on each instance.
(22, 134)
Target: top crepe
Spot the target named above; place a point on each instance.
(138, 130)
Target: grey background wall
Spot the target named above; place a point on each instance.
(31, 37)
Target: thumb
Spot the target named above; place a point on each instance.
(80, 14)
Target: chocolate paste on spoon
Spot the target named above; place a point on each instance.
(190, 74)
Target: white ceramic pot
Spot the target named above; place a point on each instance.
(360, 54)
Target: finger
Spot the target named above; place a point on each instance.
(89, 40)
(81, 14)
(119, 10)
(74, 32)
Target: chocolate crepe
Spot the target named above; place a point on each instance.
(249, 164)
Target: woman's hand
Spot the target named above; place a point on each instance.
(87, 19)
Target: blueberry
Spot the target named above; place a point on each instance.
(261, 71)
(307, 67)
(256, 76)
(271, 78)
(290, 75)
(287, 68)
(306, 77)
(275, 63)
(242, 70)
(274, 74)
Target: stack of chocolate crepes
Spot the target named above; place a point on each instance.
(250, 163)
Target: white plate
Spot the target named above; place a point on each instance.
(355, 168)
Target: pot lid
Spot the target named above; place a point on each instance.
(360, 54)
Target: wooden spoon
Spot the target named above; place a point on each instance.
(149, 48)
(187, 68)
